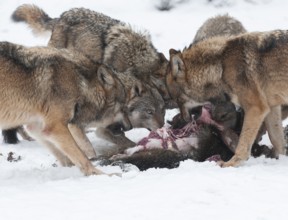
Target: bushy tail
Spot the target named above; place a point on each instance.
(35, 17)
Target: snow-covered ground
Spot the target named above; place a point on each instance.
(34, 188)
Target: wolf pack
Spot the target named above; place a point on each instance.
(99, 72)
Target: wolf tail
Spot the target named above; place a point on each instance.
(35, 17)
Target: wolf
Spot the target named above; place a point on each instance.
(251, 68)
(144, 107)
(227, 26)
(220, 25)
(57, 93)
(102, 39)
(109, 41)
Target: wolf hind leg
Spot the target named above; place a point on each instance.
(273, 123)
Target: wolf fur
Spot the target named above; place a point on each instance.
(102, 39)
(144, 107)
(227, 26)
(58, 93)
(106, 40)
(251, 68)
(221, 25)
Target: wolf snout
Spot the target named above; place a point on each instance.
(126, 124)
(118, 128)
(157, 124)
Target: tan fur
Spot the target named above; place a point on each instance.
(251, 68)
(48, 89)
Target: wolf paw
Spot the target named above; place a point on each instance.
(235, 161)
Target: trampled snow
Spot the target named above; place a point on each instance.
(36, 187)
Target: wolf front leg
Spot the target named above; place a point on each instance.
(273, 123)
(60, 136)
(82, 140)
(254, 117)
(62, 158)
(35, 130)
(120, 140)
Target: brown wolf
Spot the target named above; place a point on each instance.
(57, 93)
(109, 41)
(251, 68)
(227, 26)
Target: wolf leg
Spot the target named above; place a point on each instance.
(273, 123)
(57, 134)
(254, 116)
(35, 130)
(61, 137)
(82, 140)
(10, 136)
(23, 133)
(63, 160)
(120, 140)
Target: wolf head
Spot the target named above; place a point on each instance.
(115, 99)
(144, 105)
(193, 80)
(146, 108)
(156, 78)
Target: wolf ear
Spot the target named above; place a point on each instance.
(137, 90)
(162, 58)
(105, 77)
(177, 66)
(173, 52)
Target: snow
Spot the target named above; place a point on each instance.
(36, 187)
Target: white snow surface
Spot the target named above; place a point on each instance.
(35, 189)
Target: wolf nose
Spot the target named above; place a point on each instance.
(126, 125)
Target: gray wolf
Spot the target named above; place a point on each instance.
(145, 109)
(102, 39)
(58, 93)
(251, 68)
(109, 41)
(221, 25)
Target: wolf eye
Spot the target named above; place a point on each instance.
(150, 112)
(131, 110)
